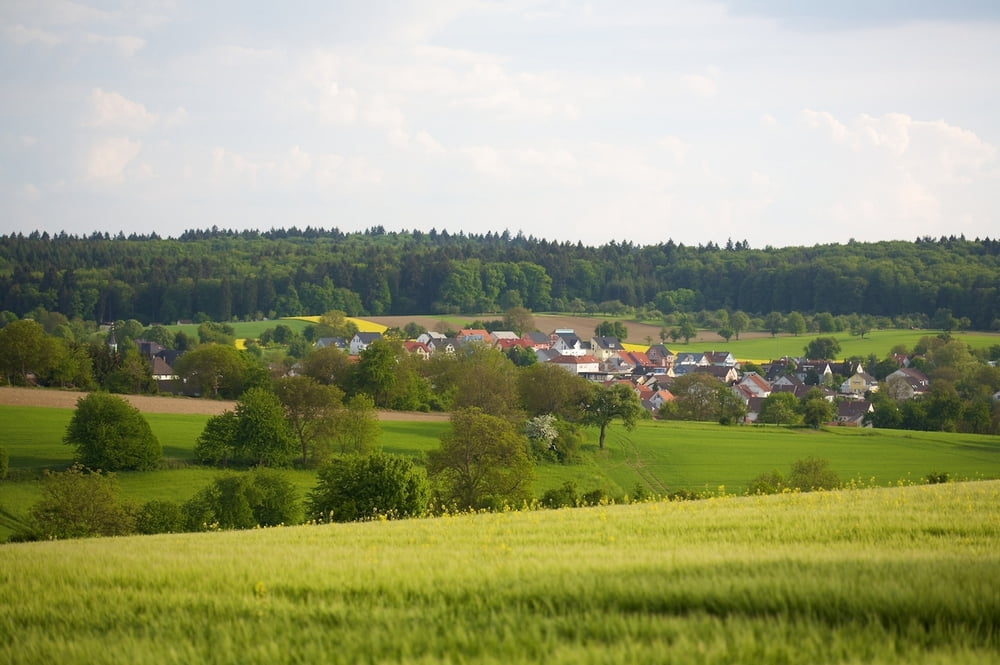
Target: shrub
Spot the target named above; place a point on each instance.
(937, 477)
(565, 496)
(159, 516)
(78, 503)
(594, 497)
(813, 473)
(769, 482)
(111, 434)
(261, 497)
(356, 488)
(4, 463)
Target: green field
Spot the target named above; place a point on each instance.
(243, 329)
(661, 457)
(877, 342)
(897, 575)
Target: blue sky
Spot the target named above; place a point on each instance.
(775, 121)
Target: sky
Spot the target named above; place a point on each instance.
(777, 122)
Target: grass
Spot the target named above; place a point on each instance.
(899, 575)
(660, 457)
(877, 342)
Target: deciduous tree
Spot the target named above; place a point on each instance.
(779, 408)
(312, 409)
(482, 462)
(263, 436)
(111, 434)
(608, 404)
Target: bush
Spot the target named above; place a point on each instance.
(356, 488)
(594, 497)
(261, 497)
(937, 477)
(813, 473)
(159, 516)
(769, 482)
(111, 434)
(4, 463)
(563, 497)
(78, 503)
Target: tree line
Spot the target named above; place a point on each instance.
(224, 275)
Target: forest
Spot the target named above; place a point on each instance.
(224, 275)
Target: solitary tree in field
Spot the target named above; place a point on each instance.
(312, 409)
(607, 404)
(483, 461)
(739, 321)
(111, 434)
(823, 348)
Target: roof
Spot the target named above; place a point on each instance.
(575, 360)
(609, 343)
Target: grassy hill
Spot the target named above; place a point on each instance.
(896, 575)
(660, 457)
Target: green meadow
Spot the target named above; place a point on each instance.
(889, 575)
(659, 457)
(243, 329)
(877, 342)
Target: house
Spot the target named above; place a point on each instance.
(660, 397)
(660, 355)
(685, 362)
(852, 412)
(505, 344)
(336, 342)
(362, 340)
(537, 340)
(814, 371)
(498, 336)
(567, 343)
(441, 345)
(859, 383)
(907, 383)
(418, 349)
(425, 338)
(473, 335)
(577, 364)
(727, 375)
(755, 385)
(719, 358)
(605, 348)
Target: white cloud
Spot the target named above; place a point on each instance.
(126, 45)
(115, 111)
(823, 120)
(677, 148)
(108, 157)
(702, 86)
(20, 34)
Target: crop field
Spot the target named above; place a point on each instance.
(893, 575)
(659, 457)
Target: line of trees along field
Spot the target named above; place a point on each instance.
(220, 275)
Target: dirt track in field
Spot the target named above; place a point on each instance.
(64, 399)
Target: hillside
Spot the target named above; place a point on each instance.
(221, 275)
(899, 575)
